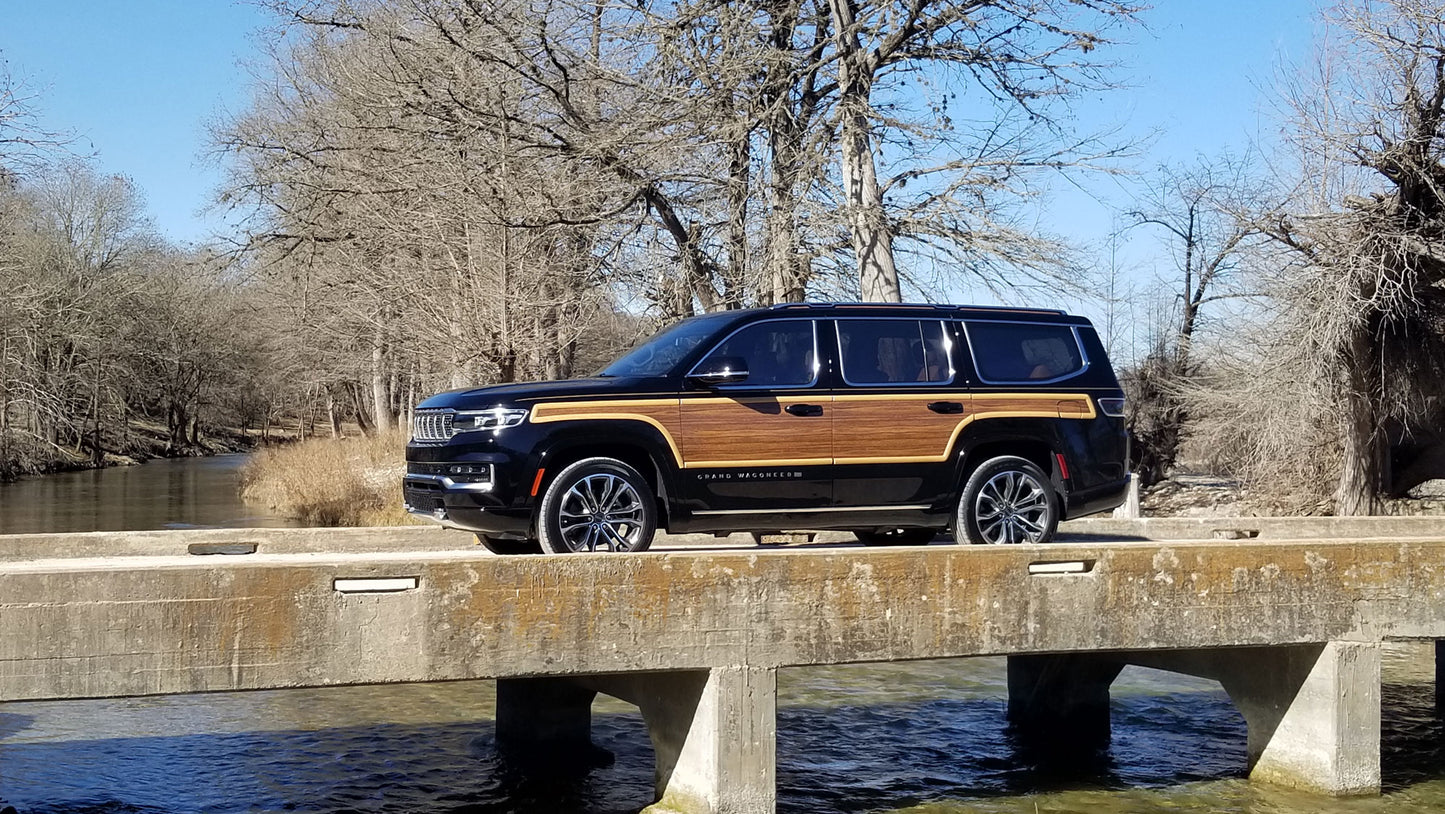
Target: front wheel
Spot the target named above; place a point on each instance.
(1007, 500)
(597, 504)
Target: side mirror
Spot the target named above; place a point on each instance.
(719, 370)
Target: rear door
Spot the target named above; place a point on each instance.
(900, 405)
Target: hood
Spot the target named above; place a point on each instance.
(498, 395)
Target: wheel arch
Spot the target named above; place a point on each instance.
(630, 442)
(1035, 441)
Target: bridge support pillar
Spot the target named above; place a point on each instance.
(1313, 711)
(1439, 677)
(1060, 703)
(543, 714)
(714, 735)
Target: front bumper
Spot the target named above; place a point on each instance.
(469, 489)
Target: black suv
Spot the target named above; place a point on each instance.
(892, 421)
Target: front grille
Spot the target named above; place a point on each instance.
(414, 468)
(421, 499)
(431, 426)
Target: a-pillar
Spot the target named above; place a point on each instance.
(714, 736)
(1313, 711)
(1060, 703)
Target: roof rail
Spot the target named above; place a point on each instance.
(933, 305)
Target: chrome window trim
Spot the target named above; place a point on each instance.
(817, 360)
(973, 351)
(843, 365)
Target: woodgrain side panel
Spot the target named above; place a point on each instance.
(1032, 405)
(660, 413)
(749, 431)
(895, 428)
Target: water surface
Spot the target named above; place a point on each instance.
(166, 493)
(917, 737)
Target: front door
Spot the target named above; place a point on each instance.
(764, 445)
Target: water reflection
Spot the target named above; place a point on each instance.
(165, 493)
(917, 737)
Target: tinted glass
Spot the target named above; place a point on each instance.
(658, 355)
(777, 354)
(1019, 352)
(893, 351)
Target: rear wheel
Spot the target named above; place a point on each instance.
(597, 504)
(509, 547)
(1007, 500)
(895, 536)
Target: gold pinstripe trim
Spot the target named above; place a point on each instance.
(599, 410)
(603, 410)
(671, 401)
(822, 398)
(1052, 399)
(1046, 398)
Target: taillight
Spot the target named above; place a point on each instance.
(1112, 407)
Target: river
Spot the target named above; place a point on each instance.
(921, 737)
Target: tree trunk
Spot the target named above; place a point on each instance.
(1358, 490)
(786, 280)
(868, 227)
(739, 167)
(331, 415)
(380, 398)
(354, 390)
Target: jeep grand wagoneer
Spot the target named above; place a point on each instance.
(892, 421)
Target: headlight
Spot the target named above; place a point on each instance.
(494, 419)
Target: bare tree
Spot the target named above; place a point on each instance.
(1207, 214)
(1363, 299)
(24, 143)
(1010, 60)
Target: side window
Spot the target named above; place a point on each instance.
(777, 354)
(894, 351)
(1020, 352)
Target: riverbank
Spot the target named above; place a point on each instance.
(139, 442)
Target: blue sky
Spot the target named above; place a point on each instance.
(137, 82)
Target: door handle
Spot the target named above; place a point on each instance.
(804, 409)
(945, 407)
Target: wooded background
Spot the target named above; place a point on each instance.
(440, 193)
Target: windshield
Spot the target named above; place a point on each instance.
(661, 353)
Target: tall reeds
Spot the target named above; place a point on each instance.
(352, 481)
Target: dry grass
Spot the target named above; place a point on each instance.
(326, 482)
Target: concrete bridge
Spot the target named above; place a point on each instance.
(1292, 628)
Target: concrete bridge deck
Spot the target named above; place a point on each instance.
(694, 636)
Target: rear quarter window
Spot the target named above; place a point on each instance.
(1024, 352)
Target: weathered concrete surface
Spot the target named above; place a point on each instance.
(714, 735)
(113, 544)
(96, 627)
(719, 622)
(1312, 711)
(1264, 528)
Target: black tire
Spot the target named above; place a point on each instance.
(896, 536)
(597, 504)
(507, 548)
(1007, 500)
